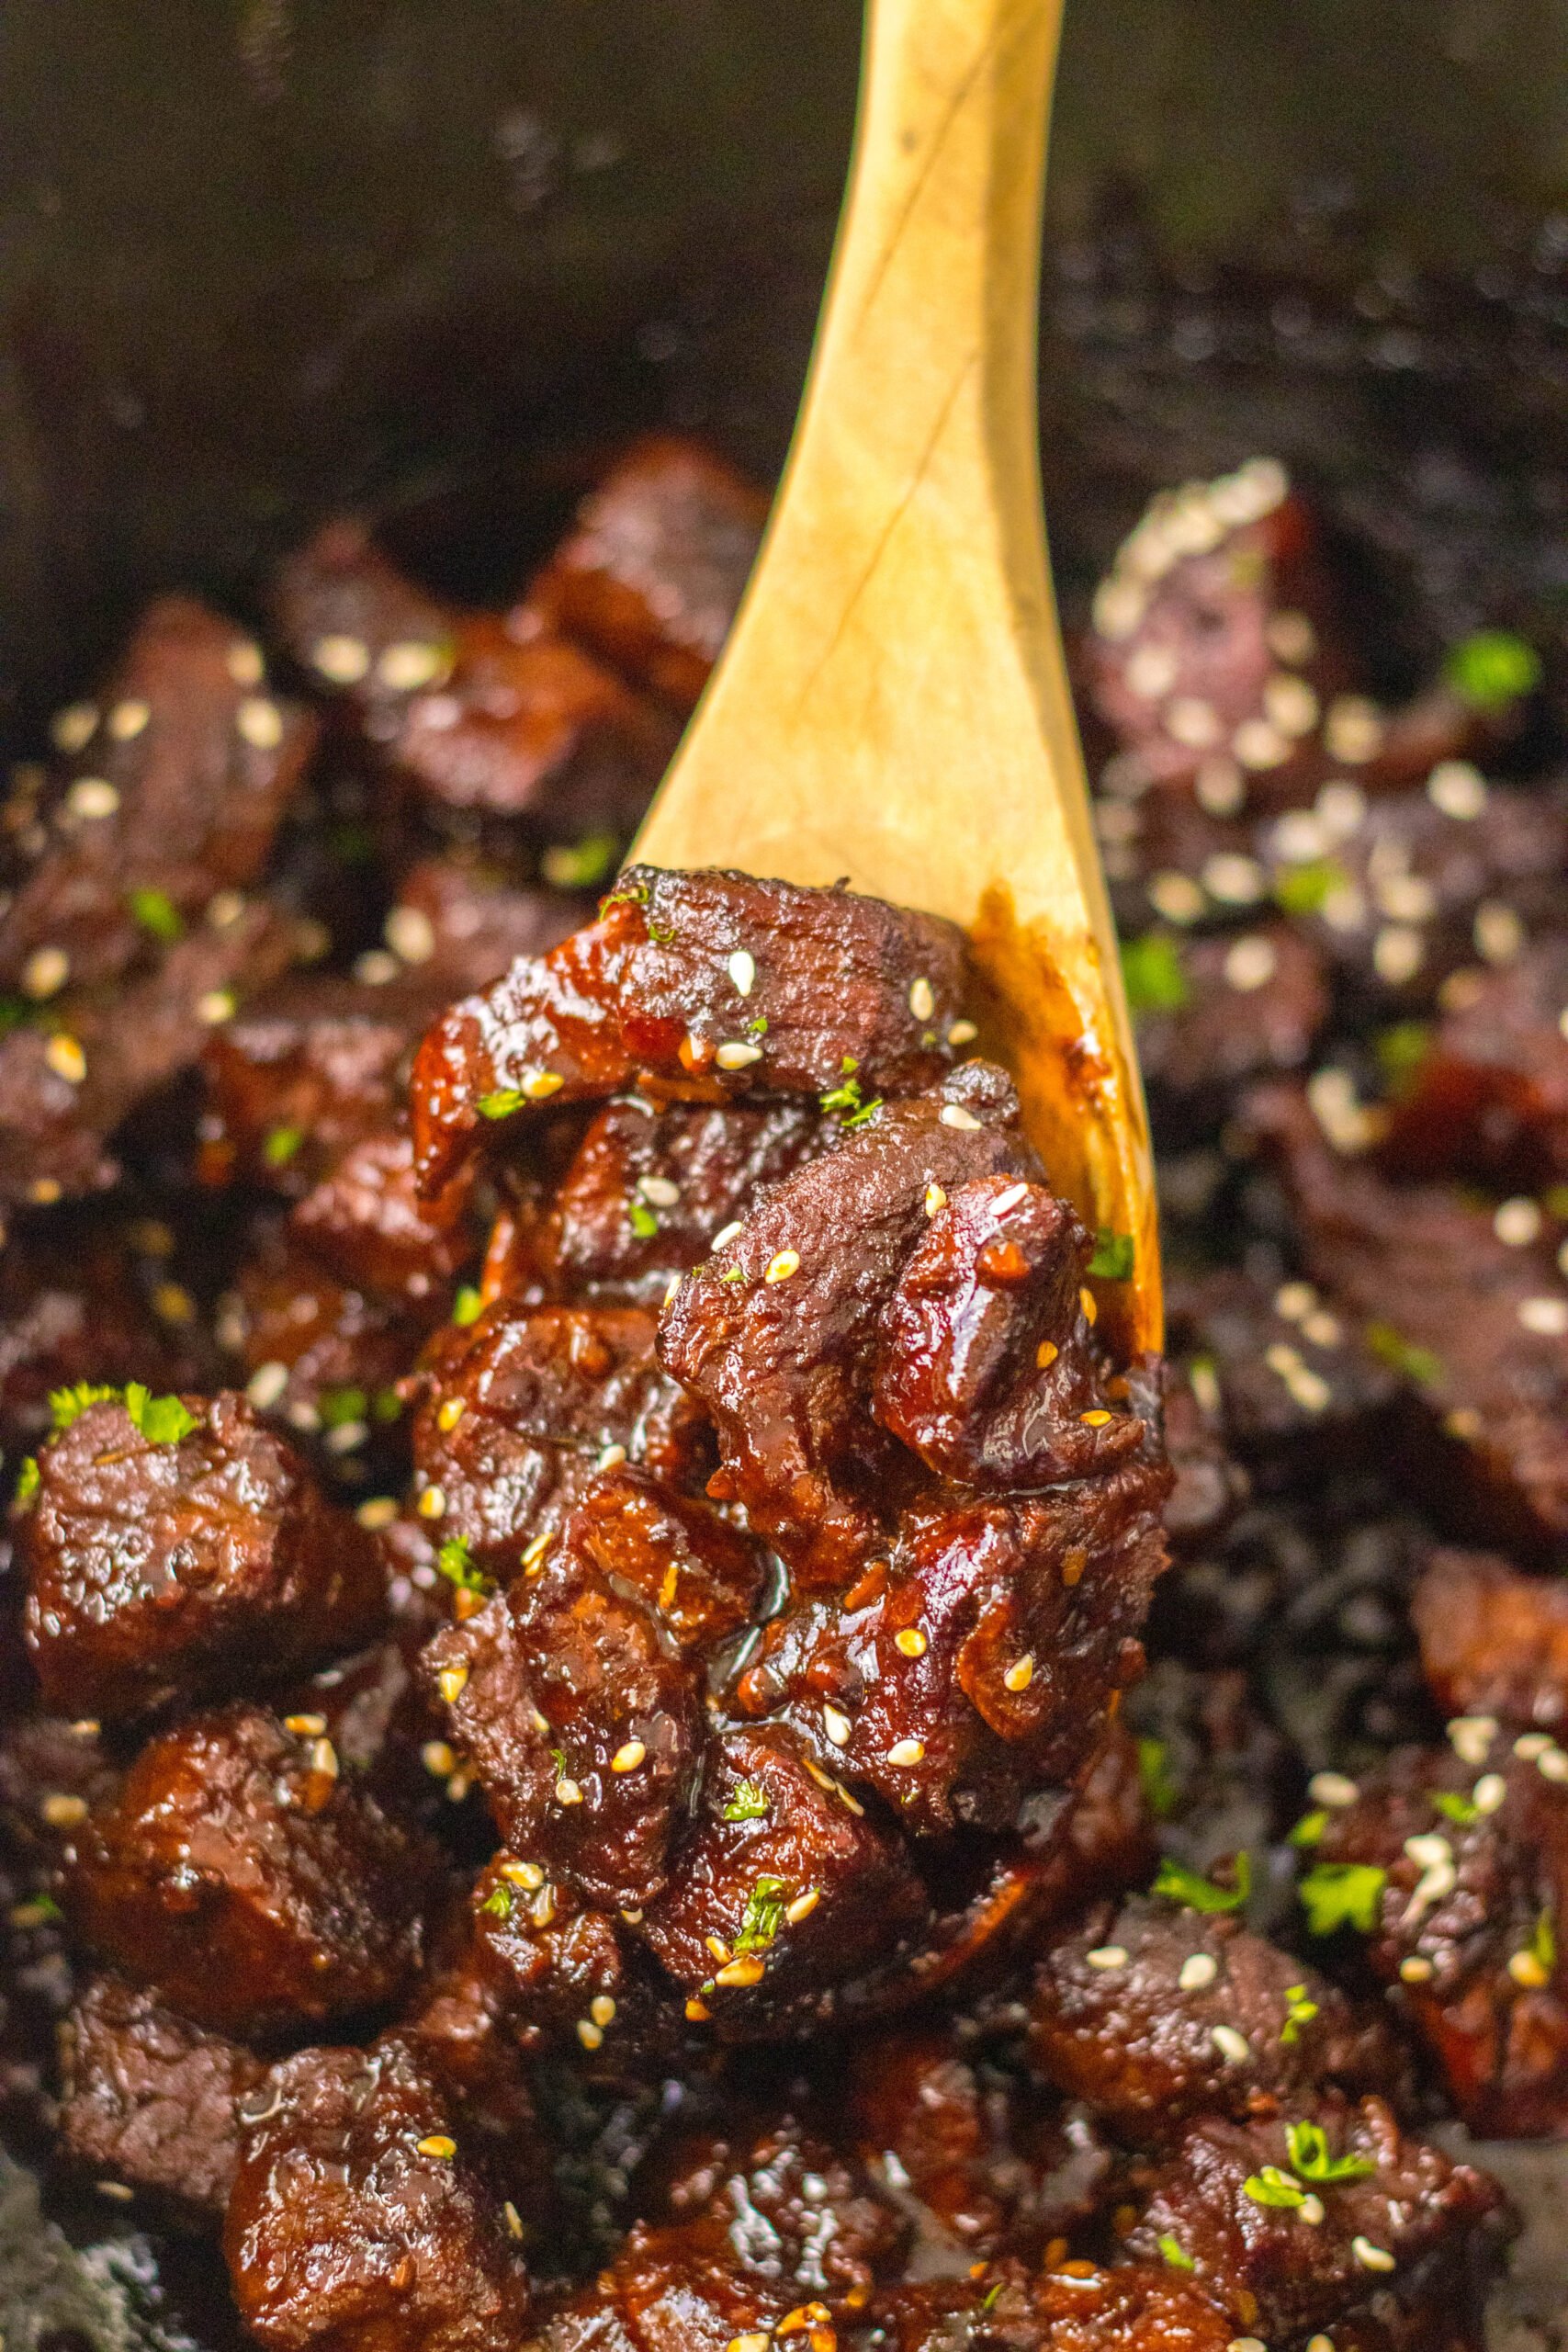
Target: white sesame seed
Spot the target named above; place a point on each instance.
(409, 933)
(589, 2034)
(260, 723)
(514, 2225)
(935, 1199)
(1370, 2257)
(452, 1681)
(115, 2190)
(65, 1059)
(1354, 730)
(266, 1385)
(539, 1085)
(1246, 2344)
(1335, 1788)
(1517, 1221)
(92, 796)
(568, 1792)
(1233, 879)
(1176, 896)
(1151, 671)
(963, 1033)
(954, 1114)
(1489, 1794)
(527, 1875)
(432, 1503)
(1430, 1849)
(61, 1812)
(609, 1457)
(1191, 722)
(127, 720)
(243, 662)
(1220, 787)
(911, 1642)
(1310, 2210)
(1471, 1736)
(803, 1906)
(1498, 932)
(347, 1436)
(1250, 963)
(405, 667)
(1257, 744)
(1198, 1971)
(214, 1006)
(1552, 1764)
(780, 1267)
(922, 999)
(1020, 1674)
(342, 659)
(659, 1192)
(627, 1758)
(376, 967)
(1341, 809)
(1547, 1316)
(1320, 2344)
(1458, 790)
(45, 972)
(1293, 1300)
(72, 729)
(1107, 1956)
(727, 1234)
(1528, 1970)
(323, 1759)
(737, 1056)
(1290, 703)
(1118, 607)
(1398, 954)
(602, 2009)
(837, 1726)
(1406, 897)
(753, 2342)
(1416, 1970)
(1291, 637)
(1299, 837)
(1532, 1745)
(742, 970)
(906, 1751)
(1230, 2044)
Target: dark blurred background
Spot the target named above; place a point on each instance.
(260, 256)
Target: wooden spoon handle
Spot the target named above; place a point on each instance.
(892, 704)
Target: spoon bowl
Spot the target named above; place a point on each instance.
(892, 707)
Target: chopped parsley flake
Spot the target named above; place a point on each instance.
(455, 1563)
(1305, 890)
(1391, 1347)
(1543, 1943)
(750, 1802)
(339, 1406)
(162, 1421)
(1113, 1253)
(1160, 1791)
(1342, 1894)
(1152, 974)
(1401, 1050)
(577, 865)
(633, 894)
(1308, 2144)
(1175, 2253)
(1273, 2186)
(467, 1307)
(1309, 1830)
(501, 1102)
(386, 1405)
(1299, 2011)
(763, 1915)
(645, 1224)
(1179, 1884)
(758, 1026)
(1457, 1808)
(280, 1145)
(499, 1902)
(157, 913)
(27, 1481)
(68, 1404)
(1492, 669)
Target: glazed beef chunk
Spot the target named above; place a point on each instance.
(702, 986)
(1455, 1863)
(255, 1884)
(1320, 2220)
(358, 2222)
(651, 577)
(152, 2102)
(183, 1547)
(1154, 2013)
(1490, 1095)
(1493, 1642)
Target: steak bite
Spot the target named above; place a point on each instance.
(785, 1890)
(776, 1334)
(174, 1547)
(1456, 1861)
(1154, 2013)
(1327, 2218)
(564, 1976)
(151, 2101)
(514, 1414)
(648, 1188)
(1493, 1642)
(651, 577)
(252, 1883)
(701, 986)
(358, 2221)
(1475, 1323)
(369, 1223)
(171, 787)
(569, 1696)
(1489, 1099)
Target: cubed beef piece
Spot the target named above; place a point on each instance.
(151, 2101)
(517, 1412)
(651, 577)
(671, 2290)
(358, 625)
(526, 724)
(316, 1352)
(1074, 2306)
(704, 986)
(568, 1694)
(566, 1975)
(1156, 2012)
(358, 2222)
(648, 1189)
(785, 1889)
(462, 2032)
(1390, 2221)
(248, 1879)
(374, 1709)
(1289, 1385)
(680, 1557)
(976, 1665)
(1489, 1098)
(459, 923)
(160, 1561)
(1456, 1860)
(83, 1062)
(1247, 1005)
(1403, 892)
(368, 1221)
(172, 784)
(299, 1075)
(991, 2166)
(776, 1334)
(1494, 1641)
(1475, 1323)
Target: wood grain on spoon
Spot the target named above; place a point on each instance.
(893, 704)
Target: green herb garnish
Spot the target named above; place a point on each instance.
(499, 1902)
(1299, 2011)
(456, 1562)
(280, 1144)
(1309, 1830)
(750, 1802)
(1308, 2144)
(68, 1404)
(1152, 974)
(1401, 1051)
(26, 1482)
(157, 914)
(1112, 1259)
(501, 1102)
(1160, 1791)
(162, 1421)
(1306, 889)
(577, 865)
(1175, 2253)
(1492, 669)
(631, 894)
(763, 1915)
(846, 1096)
(1342, 1894)
(467, 1307)
(339, 1406)
(1272, 2187)
(1413, 1363)
(1543, 1943)
(1454, 1807)
(645, 1224)
(1179, 1884)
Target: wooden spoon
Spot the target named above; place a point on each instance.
(893, 705)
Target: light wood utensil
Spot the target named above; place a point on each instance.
(893, 705)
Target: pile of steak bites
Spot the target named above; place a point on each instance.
(621, 1728)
